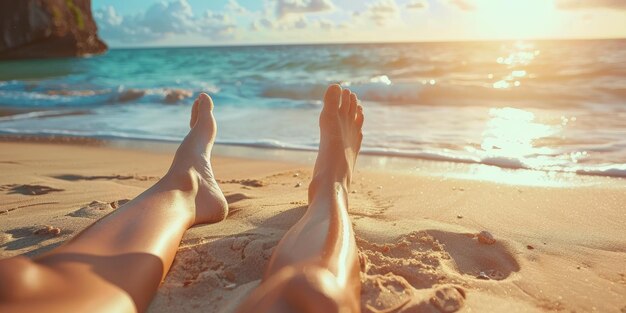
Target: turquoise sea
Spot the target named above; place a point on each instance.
(557, 106)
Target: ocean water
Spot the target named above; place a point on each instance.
(545, 105)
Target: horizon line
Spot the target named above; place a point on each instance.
(232, 45)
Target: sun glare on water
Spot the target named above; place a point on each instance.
(510, 133)
(509, 141)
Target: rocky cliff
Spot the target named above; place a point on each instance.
(47, 29)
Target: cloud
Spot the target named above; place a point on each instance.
(163, 19)
(286, 7)
(464, 5)
(301, 23)
(263, 23)
(168, 17)
(417, 4)
(108, 17)
(217, 25)
(234, 6)
(113, 26)
(326, 24)
(383, 11)
(591, 4)
(287, 15)
(267, 23)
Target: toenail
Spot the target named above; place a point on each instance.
(335, 86)
(203, 97)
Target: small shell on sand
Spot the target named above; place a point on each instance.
(298, 185)
(459, 216)
(48, 230)
(529, 247)
(43, 230)
(485, 237)
(296, 174)
(483, 275)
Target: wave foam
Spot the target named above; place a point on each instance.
(611, 170)
(614, 170)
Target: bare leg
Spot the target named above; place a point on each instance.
(117, 264)
(315, 266)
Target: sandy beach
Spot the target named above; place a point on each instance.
(377, 156)
(548, 248)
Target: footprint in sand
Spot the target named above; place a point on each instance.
(448, 298)
(417, 257)
(22, 237)
(97, 209)
(392, 293)
(29, 190)
(237, 262)
(384, 293)
(419, 272)
(408, 276)
(476, 258)
(215, 274)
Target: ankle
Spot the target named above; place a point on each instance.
(185, 182)
(323, 183)
(334, 173)
(201, 193)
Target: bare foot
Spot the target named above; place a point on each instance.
(341, 121)
(191, 169)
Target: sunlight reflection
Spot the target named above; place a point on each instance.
(523, 54)
(520, 73)
(522, 177)
(518, 58)
(510, 134)
(510, 143)
(501, 84)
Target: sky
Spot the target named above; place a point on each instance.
(137, 23)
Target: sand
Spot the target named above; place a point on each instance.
(428, 243)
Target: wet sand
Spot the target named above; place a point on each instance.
(556, 248)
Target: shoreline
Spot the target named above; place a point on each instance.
(557, 247)
(376, 162)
